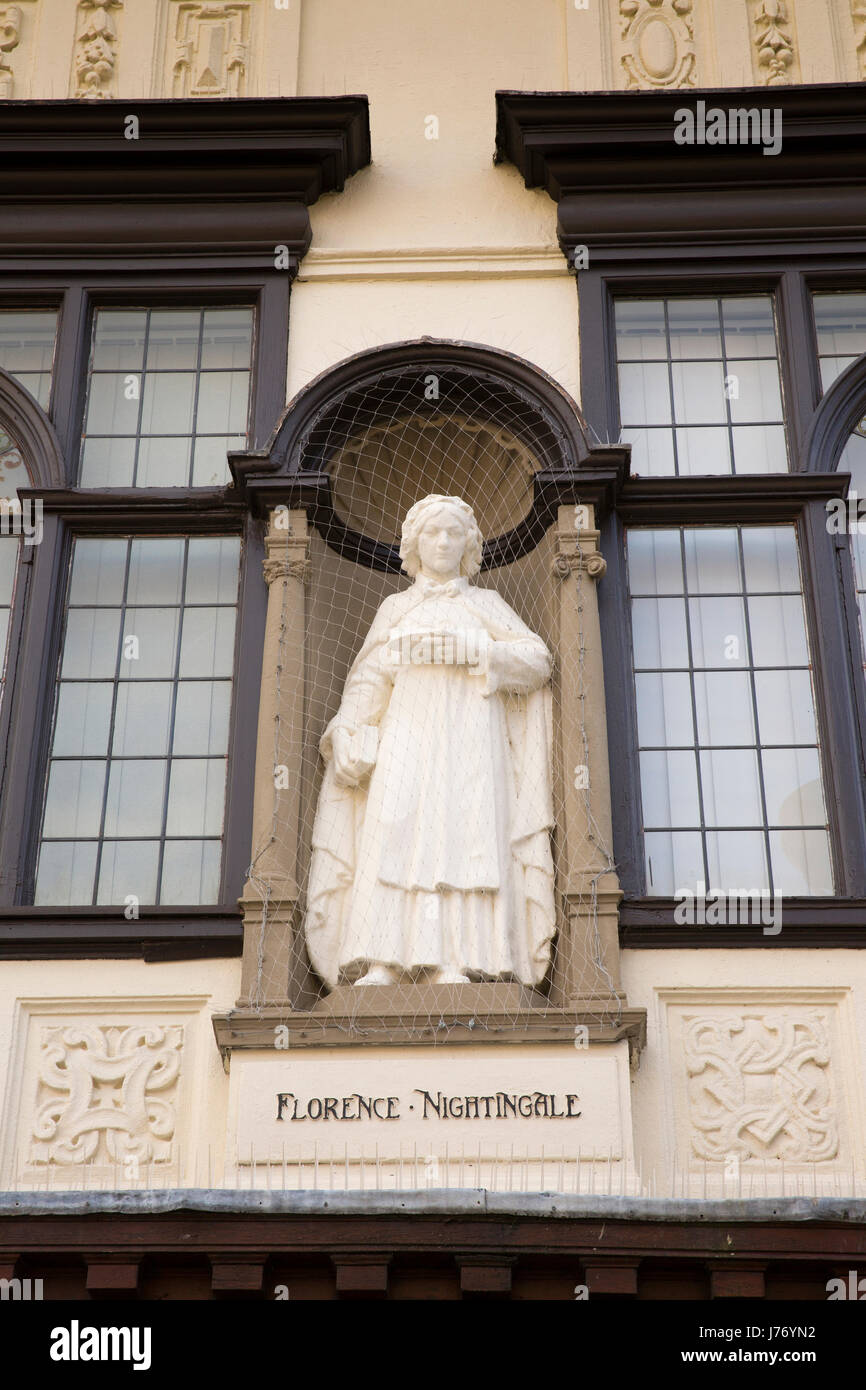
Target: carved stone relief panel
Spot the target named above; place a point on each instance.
(763, 1078)
(208, 48)
(16, 23)
(775, 59)
(657, 43)
(95, 55)
(107, 1093)
(104, 1090)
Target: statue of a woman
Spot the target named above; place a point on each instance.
(431, 853)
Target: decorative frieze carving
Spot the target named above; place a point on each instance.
(774, 44)
(107, 1094)
(10, 37)
(858, 15)
(95, 48)
(657, 43)
(210, 51)
(760, 1086)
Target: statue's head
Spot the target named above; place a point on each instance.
(435, 512)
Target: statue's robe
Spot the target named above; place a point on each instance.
(441, 857)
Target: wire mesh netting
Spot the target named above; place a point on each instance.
(418, 809)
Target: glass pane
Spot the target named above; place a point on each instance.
(207, 647)
(731, 787)
(168, 403)
(90, 643)
(118, 339)
(694, 328)
(703, 449)
(674, 861)
(196, 796)
(210, 462)
(792, 781)
(760, 449)
(83, 719)
(770, 558)
(27, 340)
(128, 867)
(201, 721)
(227, 338)
(640, 329)
(151, 655)
(718, 632)
(659, 632)
(97, 571)
(163, 462)
(108, 463)
(801, 862)
(142, 718)
(754, 392)
(652, 452)
(173, 338)
(712, 560)
(737, 861)
(155, 570)
(669, 788)
(833, 367)
(699, 393)
(73, 804)
(136, 788)
(190, 871)
(749, 328)
(778, 632)
(222, 403)
(840, 323)
(786, 708)
(655, 562)
(212, 569)
(723, 700)
(8, 566)
(664, 709)
(65, 876)
(113, 404)
(644, 394)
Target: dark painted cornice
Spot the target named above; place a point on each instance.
(210, 176)
(609, 159)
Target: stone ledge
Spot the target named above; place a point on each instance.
(433, 1015)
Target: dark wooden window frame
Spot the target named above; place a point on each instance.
(798, 496)
(70, 511)
(661, 219)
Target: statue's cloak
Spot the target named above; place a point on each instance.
(442, 855)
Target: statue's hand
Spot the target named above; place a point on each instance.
(349, 771)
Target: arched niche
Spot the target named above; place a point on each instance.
(32, 456)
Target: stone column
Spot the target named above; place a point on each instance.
(270, 900)
(587, 973)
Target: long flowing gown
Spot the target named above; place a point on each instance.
(442, 857)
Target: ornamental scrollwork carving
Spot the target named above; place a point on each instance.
(95, 48)
(211, 49)
(759, 1087)
(657, 43)
(107, 1094)
(295, 567)
(775, 58)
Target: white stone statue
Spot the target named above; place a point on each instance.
(431, 855)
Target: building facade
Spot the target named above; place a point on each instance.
(272, 273)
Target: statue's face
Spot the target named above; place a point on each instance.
(441, 543)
